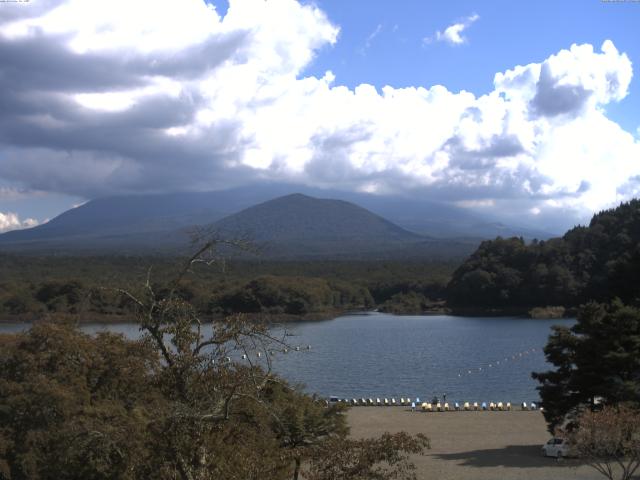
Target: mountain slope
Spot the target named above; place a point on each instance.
(142, 215)
(298, 217)
(158, 223)
(299, 226)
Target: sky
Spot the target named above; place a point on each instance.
(526, 111)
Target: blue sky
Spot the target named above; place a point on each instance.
(507, 33)
(102, 98)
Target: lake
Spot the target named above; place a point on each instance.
(380, 355)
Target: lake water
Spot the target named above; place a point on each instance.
(379, 355)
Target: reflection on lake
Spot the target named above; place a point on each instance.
(380, 355)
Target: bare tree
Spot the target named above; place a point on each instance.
(609, 440)
(202, 372)
(207, 386)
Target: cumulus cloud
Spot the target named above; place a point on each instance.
(453, 33)
(11, 221)
(101, 97)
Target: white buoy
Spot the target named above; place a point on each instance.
(259, 354)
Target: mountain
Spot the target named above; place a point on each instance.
(157, 223)
(301, 226)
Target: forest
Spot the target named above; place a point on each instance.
(87, 287)
(596, 262)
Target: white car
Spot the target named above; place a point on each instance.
(557, 447)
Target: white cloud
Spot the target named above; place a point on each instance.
(11, 221)
(453, 33)
(121, 101)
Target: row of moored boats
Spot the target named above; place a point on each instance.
(433, 406)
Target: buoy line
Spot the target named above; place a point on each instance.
(503, 361)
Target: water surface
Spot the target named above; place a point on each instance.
(381, 355)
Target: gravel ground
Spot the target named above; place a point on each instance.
(474, 445)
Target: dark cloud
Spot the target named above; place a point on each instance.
(331, 162)
(498, 146)
(553, 98)
(44, 63)
(47, 131)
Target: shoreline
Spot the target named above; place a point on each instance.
(279, 318)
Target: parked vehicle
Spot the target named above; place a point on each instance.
(557, 447)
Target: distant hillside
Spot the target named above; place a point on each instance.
(158, 224)
(303, 227)
(299, 218)
(597, 262)
(131, 222)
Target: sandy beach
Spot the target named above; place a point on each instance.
(474, 445)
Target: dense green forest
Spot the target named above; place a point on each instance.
(597, 262)
(32, 286)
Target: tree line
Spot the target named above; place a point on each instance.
(597, 262)
(33, 286)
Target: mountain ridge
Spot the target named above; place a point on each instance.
(160, 222)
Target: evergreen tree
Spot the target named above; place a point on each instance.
(597, 360)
